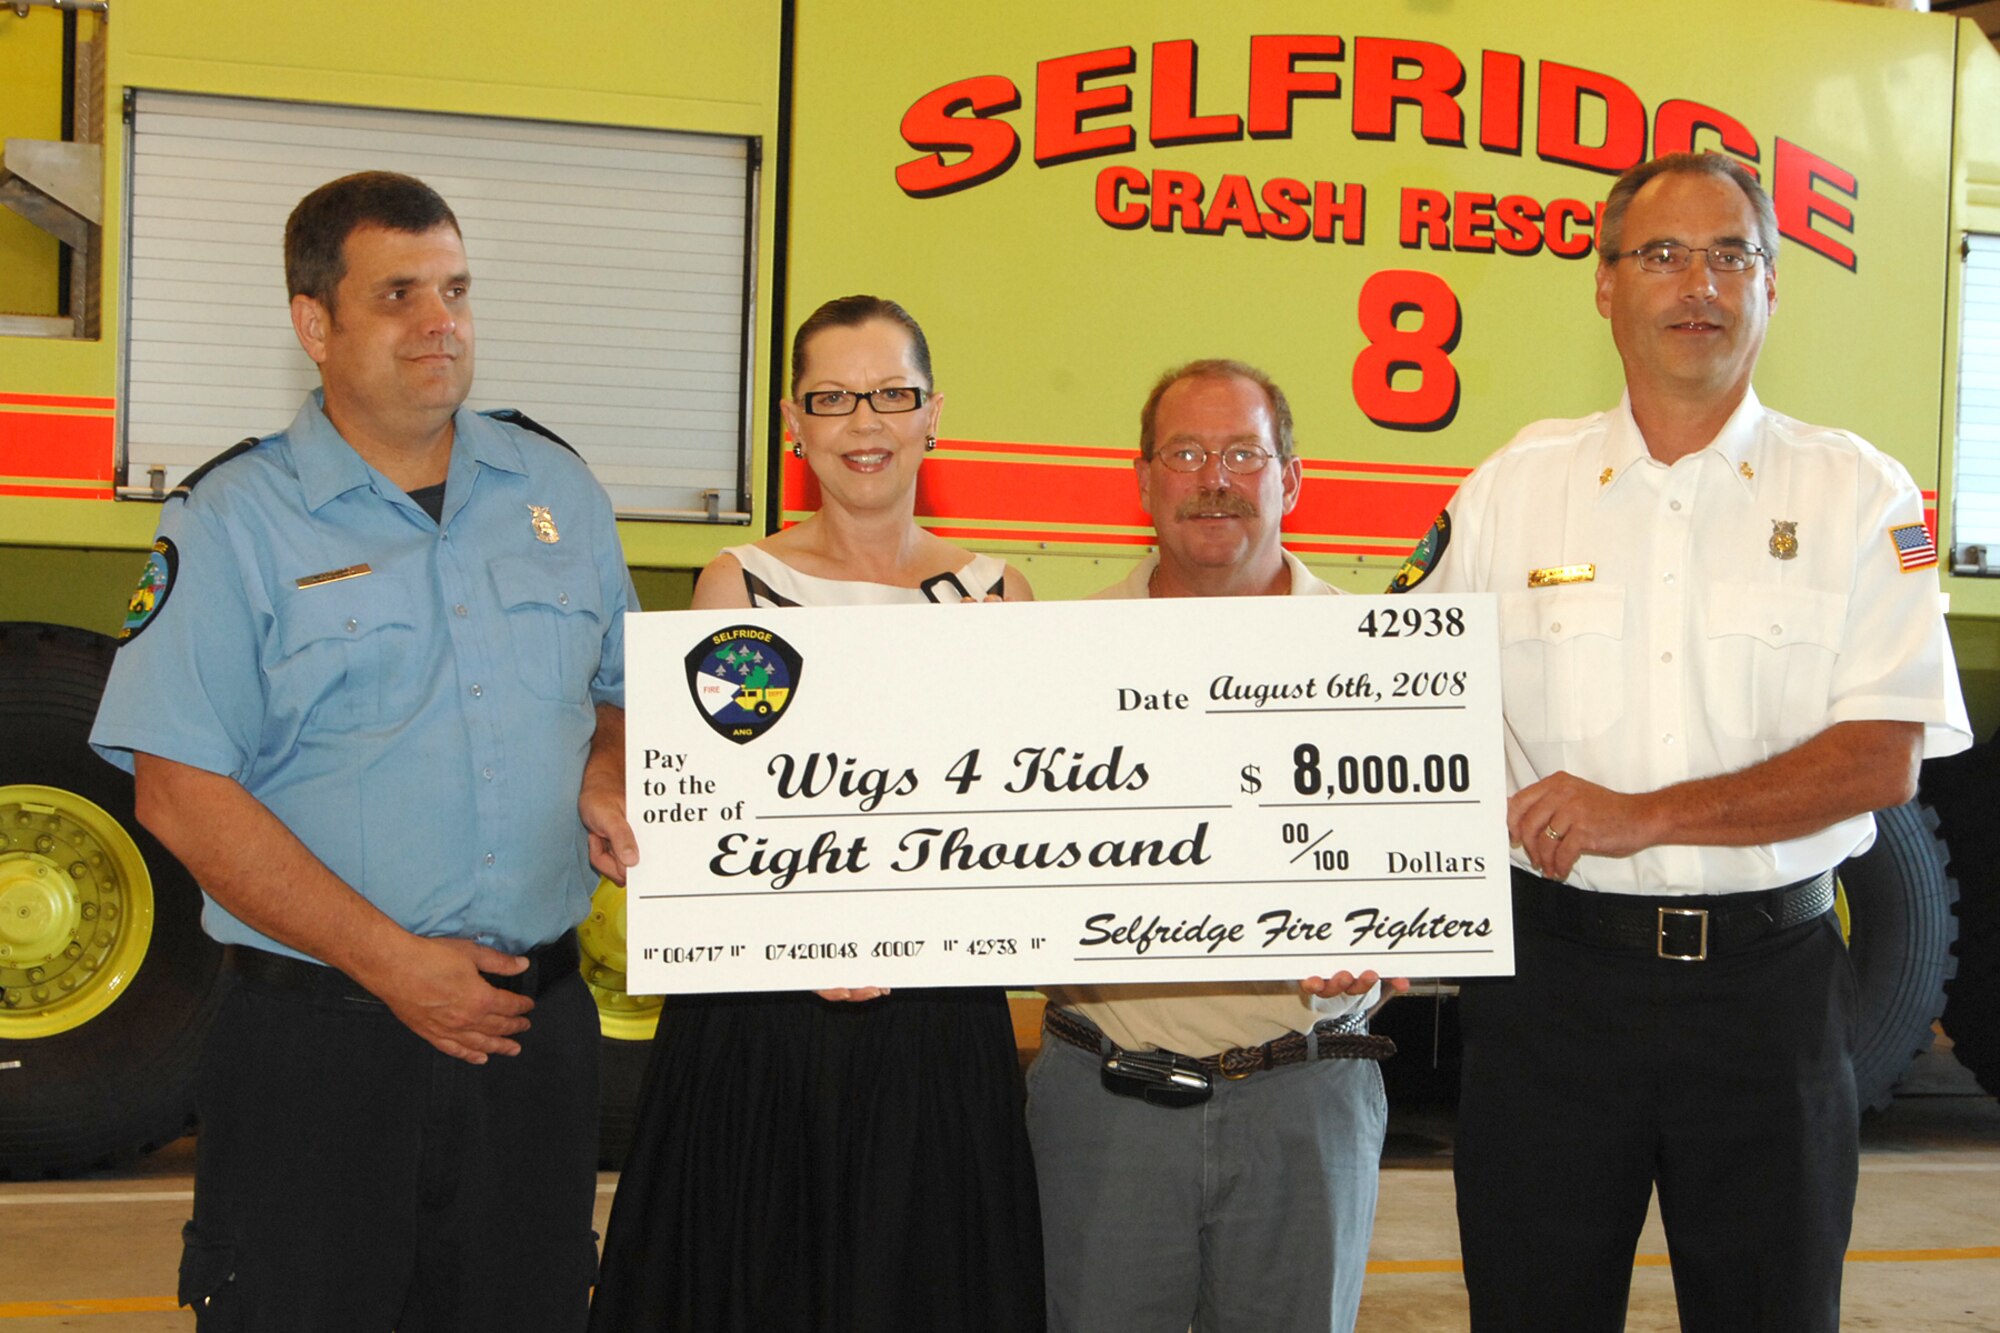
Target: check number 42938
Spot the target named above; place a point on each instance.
(1413, 622)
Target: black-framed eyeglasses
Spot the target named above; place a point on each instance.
(1240, 458)
(1673, 257)
(842, 402)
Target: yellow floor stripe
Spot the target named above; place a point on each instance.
(1661, 1260)
(1922, 1256)
(114, 1305)
(165, 1304)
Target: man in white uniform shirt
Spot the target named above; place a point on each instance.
(1207, 1153)
(1721, 650)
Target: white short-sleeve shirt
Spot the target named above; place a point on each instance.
(1689, 620)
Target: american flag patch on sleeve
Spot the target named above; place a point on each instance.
(1914, 547)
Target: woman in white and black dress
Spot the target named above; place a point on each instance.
(852, 1161)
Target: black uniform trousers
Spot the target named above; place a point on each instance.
(349, 1178)
(1593, 1076)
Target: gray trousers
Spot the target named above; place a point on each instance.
(1247, 1214)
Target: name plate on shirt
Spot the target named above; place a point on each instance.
(1191, 789)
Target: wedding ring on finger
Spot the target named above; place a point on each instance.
(1550, 833)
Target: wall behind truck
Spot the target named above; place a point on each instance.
(706, 66)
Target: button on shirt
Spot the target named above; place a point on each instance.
(421, 727)
(1696, 649)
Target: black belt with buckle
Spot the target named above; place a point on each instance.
(1182, 1080)
(547, 964)
(1681, 929)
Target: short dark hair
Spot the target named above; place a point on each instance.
(317, 231)
(1610, 238)
(1216, 368)
(846, 312)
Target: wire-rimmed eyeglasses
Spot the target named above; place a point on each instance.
(1673, 257)
(1240, 458)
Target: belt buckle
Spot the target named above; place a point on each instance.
(1237, 1063)
(1660, 936)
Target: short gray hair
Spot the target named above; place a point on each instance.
(1216, 368)
(1610, 237)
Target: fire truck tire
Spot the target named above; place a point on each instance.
(621, 1074)
(109, 982)
(1972, 1012)
(1966, 790)
(1896, 902)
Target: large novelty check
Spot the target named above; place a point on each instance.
(1174, 790)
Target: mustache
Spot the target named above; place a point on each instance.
(1232, 503)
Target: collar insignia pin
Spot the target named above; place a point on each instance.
(1784, 538)
(543, 524)
(1749, 473)
(1604, 477)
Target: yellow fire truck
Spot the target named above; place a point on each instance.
(1389, 206)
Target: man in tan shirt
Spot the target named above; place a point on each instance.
(1235, 1189)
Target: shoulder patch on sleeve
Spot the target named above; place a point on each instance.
(1424, 557)
(514, 416)
(156, 582)
(236, 450)
(1913, 545)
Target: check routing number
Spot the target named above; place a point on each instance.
(1018, 793)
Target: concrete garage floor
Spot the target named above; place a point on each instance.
(99, 1254)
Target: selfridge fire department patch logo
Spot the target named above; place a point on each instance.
(742, 678)
(156, 581)
(1429, 550)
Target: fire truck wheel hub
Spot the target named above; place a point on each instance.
(76, 911)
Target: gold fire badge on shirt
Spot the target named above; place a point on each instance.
(544, 525)
(1784, 538)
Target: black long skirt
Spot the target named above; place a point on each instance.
(803, 1165)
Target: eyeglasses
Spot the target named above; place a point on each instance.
(841, 403)
(1238, 458)
(1673, 257)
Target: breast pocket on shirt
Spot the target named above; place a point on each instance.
(555, 620)
(1562, 660)
(347, 652)
(1770, 658)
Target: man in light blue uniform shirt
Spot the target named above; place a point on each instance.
(371, 688)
